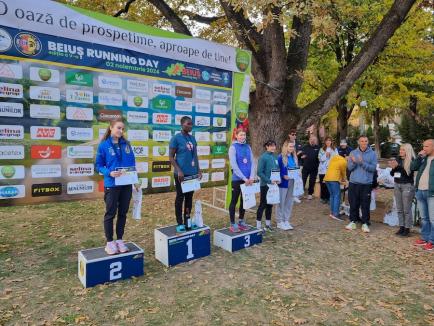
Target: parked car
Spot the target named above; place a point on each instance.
(388, 149)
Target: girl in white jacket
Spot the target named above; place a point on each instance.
(325, 154)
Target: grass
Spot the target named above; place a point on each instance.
(317, 274)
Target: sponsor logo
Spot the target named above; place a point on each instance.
(46, 152)
(27, 44)
(75, 113)
(12, 172)
(203, 150)
(220, 97)
(220, 109)
(178, 118)
(138, 135)
(200, 121)
(11, 90)
(179, 69)
(204, 164)
(44, 111)
(219, 122)
(79, 78)
(80, 187)
(46, 171)
(15, 152)
(241, 110)
(8, 70)
(202, 94)
(109, 115)
(161, 135)
(225, 77)
(183, 106)
(158, 182)
(9, 109)
(161, 118)
(15, 191)
(77, 170)
(218, 163)
(161, 166)
(205, 178)
(11, 132)
(162, 103)
(217, 176)
(142, 167)
(79, 96)
(242, 60)
(219, 149)
(44, 75)
(205, 75)
(137, 117)
(44, 93)
(203, 108)
(158, 151)
(79, 152)
(46, 189)
(186, 92)
(137, 101)
(41, 132)
(110, 99)
(219, 136)
(140, 151)
(109, 82)
(202, 136)
(139, 86)
(5, 40)
(79, 133)
(161, 89)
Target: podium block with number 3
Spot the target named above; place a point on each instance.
(230, 241)
(173, 248)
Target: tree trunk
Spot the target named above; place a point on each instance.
(376, 131)
(342, 119)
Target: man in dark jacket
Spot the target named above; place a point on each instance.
(309, 155)
(344, 150)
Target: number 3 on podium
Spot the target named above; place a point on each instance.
(190, 249)
(114, 269)
(247, 241)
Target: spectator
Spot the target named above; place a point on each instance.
(292, 137)
(309, 155)
(424, 164)
(362, 164)
(344, 150)
(324, 156)
(335, 176)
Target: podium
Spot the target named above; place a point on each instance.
(173, 248)
(231, 242)
(96, 267)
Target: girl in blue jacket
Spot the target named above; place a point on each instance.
(115, 152)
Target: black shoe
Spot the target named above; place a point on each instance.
(400, 231)
(406, 232)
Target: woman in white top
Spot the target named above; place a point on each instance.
(325, 154)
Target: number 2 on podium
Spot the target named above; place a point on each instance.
(114, 269)
(190, 249)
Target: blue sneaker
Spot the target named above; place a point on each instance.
(234, 228)
(243, 226)
(180, 228)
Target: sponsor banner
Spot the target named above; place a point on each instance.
(79, 78)
(80, 170)
(160, 151)
(203, 150)
(162, 103)
(79, 96)
(220, 97)
(79, 133)
(219, 150)
(136, 101)
(109, 82)
(45, 152)
(11, 132)
(220, 109)
(137, 117)
(219, 122)
(39, 111)
(142, 167)
(161, 118)
(137, 135)
(183, 106)
(204, 164)
(159, 182)
(186, 92)
(200, 121)
(11, 90)
(46, 171)
(44, 93)
(143, 183)
(161, 135)
(9, 109)
(9, 172)
(204, 136)
(46, 189)
(80, 187)
(138, 86)
(218, 163)
(80, 152)
(101, 133)
(205, 178)
(203, 108)
(217, 176)
(219, 136)
(9, 70)
(140, 151)
(76, 113)
(110, 99)
(161, 89)
(161, 166)
(12, 191)
(203, 94)
(108, 115)
(15, 152)
(43, 132)
(44, 75)
(178, 118)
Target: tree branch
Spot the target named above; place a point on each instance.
(125, 9)
(176, 22)
(348, 76)
(201, 19)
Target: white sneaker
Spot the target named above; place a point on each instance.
(297, 200)
(111, 248)
(289, 226)
(281, 226)
(365, 228)
(309, 197)
(121, 246)
(351, 226)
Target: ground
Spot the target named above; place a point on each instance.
(317, 274)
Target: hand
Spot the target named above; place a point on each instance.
(422, 153)
(137, 186)
(299, 152)
(303, 156)
(352, 158)
(360, 159)
(180, 176)
(285, 177)
(328, 154)
(115, 174)
(200, 175)
(393, 164)
(248, 182)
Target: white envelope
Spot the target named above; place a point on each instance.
(190, 185)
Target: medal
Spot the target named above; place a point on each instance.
(192, 163)
(245, 160)
(127, 149)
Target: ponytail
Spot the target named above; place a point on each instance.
(108, 131)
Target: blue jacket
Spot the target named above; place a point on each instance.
(284, 170)
(363, 173)
(108, 159)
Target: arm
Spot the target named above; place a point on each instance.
(253, 169)
(343, 169)
(234, 165)
(322, 156)
(261, 171)
(282, 168)
(100, 162)
(416, 163)
(370, 166)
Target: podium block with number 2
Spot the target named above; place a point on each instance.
(173, 248)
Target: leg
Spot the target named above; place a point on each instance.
(324, 192)
(241, 210)
(304, 175)
(398, 194)
(178, 201)
(312, 181)
(124, 204)
(422, 204)
(280, 208)
(289, 201)
(407, 199)
(236, 191)
(365, 203)
(353, 198)
(188, 205)
(268, 211)
(111, 198)
(262, 203)
(431, 216)
(332, 197)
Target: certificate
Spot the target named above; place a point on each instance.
(252, 189)
(190, 184)
(275, 175)
(293, 173)
(128, 176)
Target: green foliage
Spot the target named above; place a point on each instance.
(415, 132)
